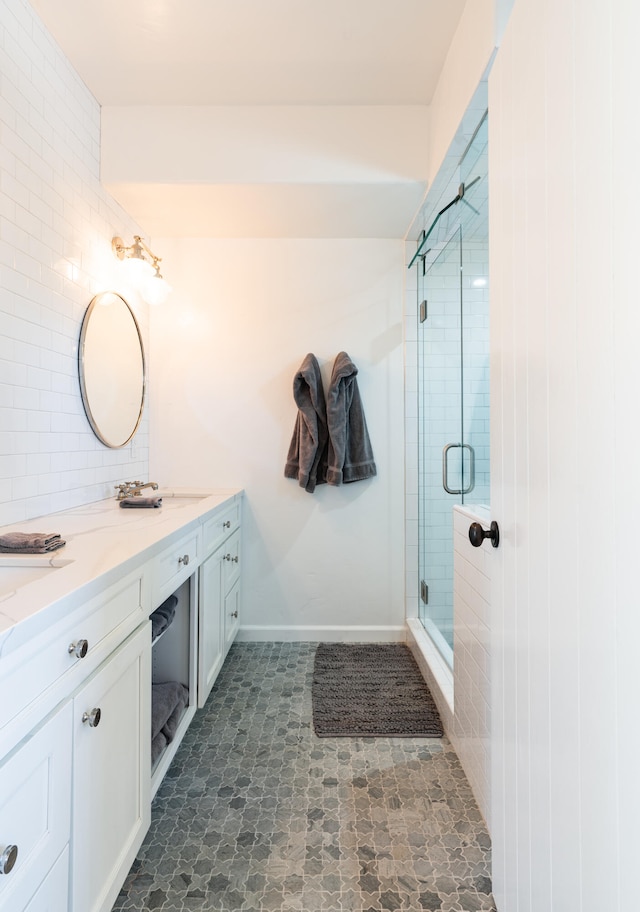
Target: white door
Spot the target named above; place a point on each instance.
(210, 632)
(112, 771)
(231, 611)
(35, 797)
(53, 894)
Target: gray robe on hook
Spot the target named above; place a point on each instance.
(350, 455)
(307, 456)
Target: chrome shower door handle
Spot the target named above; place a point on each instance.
(445, 468)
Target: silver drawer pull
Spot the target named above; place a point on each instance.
(79, 649)
(227, 524)
(234, 614)
(184, 560)
(235, 559)
(93, 717)
(8, 859)
(227, 557)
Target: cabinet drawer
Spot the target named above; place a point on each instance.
(67, 647)
(220, 526)
(35, 805)
(231, 562)
(174, 565)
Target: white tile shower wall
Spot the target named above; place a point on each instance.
(471, 671)
(475, 340)
(56, 225)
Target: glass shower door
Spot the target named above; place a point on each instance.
(443, 464)
(453, 381)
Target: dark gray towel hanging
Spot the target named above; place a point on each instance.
(350, 456)
(307, 456)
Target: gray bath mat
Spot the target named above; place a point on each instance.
(371, 690)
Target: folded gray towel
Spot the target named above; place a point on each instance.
(163, 616)
(168, 702)
(140, 501)
(159, 624)
(30, 542)
(157, 746)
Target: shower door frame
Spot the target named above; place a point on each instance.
(459, 233)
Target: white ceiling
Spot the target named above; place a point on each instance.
(258, 52)
(204, 52)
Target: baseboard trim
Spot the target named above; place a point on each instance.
(300, 634)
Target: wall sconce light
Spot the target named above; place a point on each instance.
(144, 266)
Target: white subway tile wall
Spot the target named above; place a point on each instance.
(56, 225)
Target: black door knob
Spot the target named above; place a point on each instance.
(477, 534)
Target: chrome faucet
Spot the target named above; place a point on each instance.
(133, 488)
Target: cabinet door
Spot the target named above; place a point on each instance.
(35, 797)
(111, 783)
(53, 893)
(231, 611)
(210, 632)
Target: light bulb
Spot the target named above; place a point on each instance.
(137, 269)
(156, 290)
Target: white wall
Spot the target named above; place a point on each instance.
(225, 348)
(469, 56)
(565, 441)
(56, 225)
(267, 171)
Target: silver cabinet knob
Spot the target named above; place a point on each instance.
(79, 649)
(235, 559)
(8, 859)
(234, 614)
(227, 557)
(93, 717)
(227, 524)
(184, 560)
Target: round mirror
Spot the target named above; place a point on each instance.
(112, 369)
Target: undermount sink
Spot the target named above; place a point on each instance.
(179, 499)
(18, 570)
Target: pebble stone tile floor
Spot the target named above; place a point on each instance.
(257, 813)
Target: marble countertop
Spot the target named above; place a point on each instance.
(103, 542)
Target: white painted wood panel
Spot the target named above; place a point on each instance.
(470, 730)
(623, 601)
(564, 445)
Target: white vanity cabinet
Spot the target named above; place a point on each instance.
(111, 773)
(77, 667)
